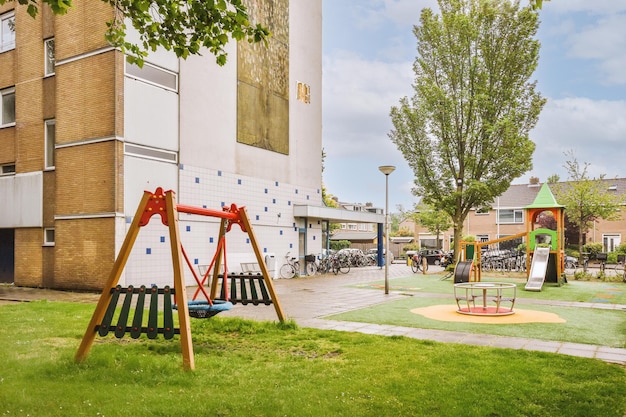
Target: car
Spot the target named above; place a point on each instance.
(433, 256)
(374, 252)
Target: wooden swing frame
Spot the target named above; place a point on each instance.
(164, 204)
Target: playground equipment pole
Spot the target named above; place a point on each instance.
(387, 169)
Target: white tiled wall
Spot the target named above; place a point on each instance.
(268, 205)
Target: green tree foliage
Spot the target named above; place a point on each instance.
(435, 221)
(183, 26)
(465, 130)
(586, 199)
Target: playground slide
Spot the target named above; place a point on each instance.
(538, 269)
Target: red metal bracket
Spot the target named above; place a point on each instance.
(155, 205)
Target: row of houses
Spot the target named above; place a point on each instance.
(504, 217)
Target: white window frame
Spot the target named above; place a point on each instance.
(48, 57)
(3, 94)
(48, 236)
(7, 169)
(153, 75)
(518, 216)
(49, 143)
(5, 23)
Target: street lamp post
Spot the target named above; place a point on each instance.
(386, 169)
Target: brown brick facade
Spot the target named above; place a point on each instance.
(84, 253)
(28, 257)
(85, 97)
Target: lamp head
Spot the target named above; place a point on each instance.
(386, 169)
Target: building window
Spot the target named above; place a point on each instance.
(153, 75)
(7, 169)
(7, 107)
(7, 31)
(48, 50)
(48, 236)
(482, 238)
(50, 141)
(510, 216)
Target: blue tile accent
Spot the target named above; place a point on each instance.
(162, 239)
(195, 261)
(188, 228)
(129, 219)
(314, 237)
(307, 197)
(148, 251)
(296, 191)
(265, 209)
(266, 191)
(288, 203)
(248, 240)
(219, 173)
(291, 246)
(281, 233)
(264, 250)
(197, 180)
(222, 204)
(276, 183)
(210, 240)
(274, 200)
(181, 166)
(257, 217)
(238, 182)
(204, 206)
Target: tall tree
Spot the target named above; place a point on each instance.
(465, 130)
(182, 26)
(586, 199)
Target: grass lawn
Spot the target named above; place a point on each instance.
(583, 325)
(246, 368)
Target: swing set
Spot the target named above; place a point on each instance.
(234, 288)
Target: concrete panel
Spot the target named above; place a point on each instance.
(21, 202)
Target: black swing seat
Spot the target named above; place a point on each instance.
(201, 309)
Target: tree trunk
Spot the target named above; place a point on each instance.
(580, 245)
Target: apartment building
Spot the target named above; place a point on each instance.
(83, 134)
(506, 216)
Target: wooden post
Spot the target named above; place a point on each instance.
(114, 277)
(179, 283)
(259, 257)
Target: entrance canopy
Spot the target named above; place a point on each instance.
(336, 215)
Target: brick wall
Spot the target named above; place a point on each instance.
(84, 253)
(28, 257)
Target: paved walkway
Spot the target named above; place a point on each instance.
(307, 300)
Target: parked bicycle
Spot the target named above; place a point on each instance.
(340, 263)
(309, 265)
(291, 268)
(418, 263)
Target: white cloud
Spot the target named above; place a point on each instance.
(357, 98)
(605, 41)
(587, 6)
(594, 130)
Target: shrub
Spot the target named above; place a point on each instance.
(339, 244)
(593, 249)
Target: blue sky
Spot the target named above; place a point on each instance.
(369, 49)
